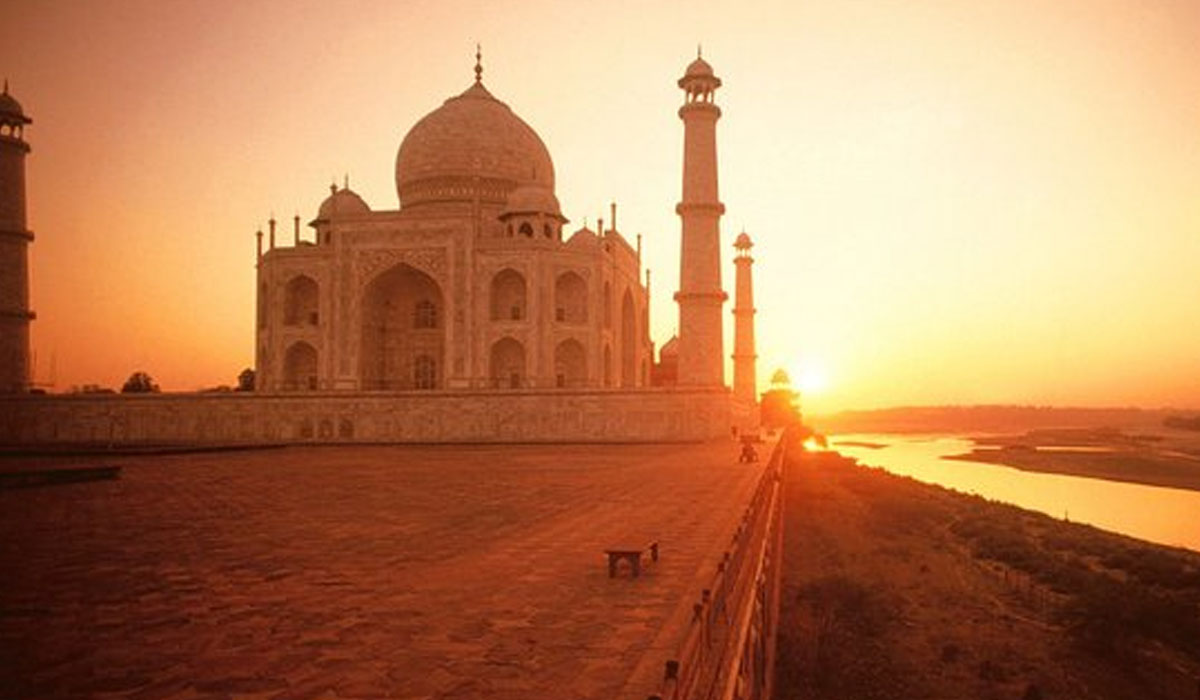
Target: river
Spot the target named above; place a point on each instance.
(1163, 515)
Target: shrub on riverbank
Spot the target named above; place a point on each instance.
(895, 588)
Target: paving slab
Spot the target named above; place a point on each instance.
(359, 572)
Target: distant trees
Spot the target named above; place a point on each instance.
(780, 407)
(1182, 422)
(139, 383)
(245, 380)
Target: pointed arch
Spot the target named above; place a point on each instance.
(628, 340)
(607, 301)
(401, 320)
(570, 364)
(570, 298)
(300, 367)
(508, 297)
(507, 364)
(300, 301)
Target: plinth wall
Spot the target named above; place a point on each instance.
(658, 415)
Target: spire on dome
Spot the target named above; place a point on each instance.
(478, 64)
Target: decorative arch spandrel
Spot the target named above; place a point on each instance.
(431, 261)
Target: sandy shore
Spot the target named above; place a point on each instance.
(1169, 458)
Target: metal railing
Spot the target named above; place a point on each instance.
(728, 651)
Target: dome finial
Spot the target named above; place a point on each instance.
(478, 64)
(699, 50)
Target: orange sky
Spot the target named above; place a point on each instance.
(953, 201)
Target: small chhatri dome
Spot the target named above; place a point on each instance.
(699, 77)
(743, 242)
(342, 202)
(532, 199)
(699, 68)
(781, 378)
(473, 146)
(10, 110)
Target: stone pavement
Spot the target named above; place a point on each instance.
(358, 572)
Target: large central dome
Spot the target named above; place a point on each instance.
(472, 146)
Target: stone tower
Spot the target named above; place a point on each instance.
(745, 388)
(700, 297)
(14, 242)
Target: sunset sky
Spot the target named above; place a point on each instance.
(974, 201)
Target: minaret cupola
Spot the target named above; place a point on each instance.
(698, 81)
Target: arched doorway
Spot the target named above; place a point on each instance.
(570, 364)
(508, 296)
(507, 364)
(300, 367)
(300, 302)
(570, 299)
(403, 321)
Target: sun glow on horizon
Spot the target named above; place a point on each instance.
(950, 203)
(810, 378)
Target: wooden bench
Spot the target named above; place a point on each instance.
(633, 555)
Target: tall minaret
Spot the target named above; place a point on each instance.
(14, 243)
(745, 388)
(700, 297)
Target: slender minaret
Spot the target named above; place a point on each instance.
(700, 297)
(14, 249)
(745, 388)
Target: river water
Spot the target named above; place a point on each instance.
(1163, 515)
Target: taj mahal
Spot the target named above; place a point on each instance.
(471, 283)
(470, 308)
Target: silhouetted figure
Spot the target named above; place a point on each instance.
(749, 454)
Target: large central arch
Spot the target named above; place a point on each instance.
(403, 331)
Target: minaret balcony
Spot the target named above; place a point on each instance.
(710, 208)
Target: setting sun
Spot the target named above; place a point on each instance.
(810, 378)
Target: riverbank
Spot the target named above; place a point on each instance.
(1167, 458)
(898, 589)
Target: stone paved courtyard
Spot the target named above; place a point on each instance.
(360, 572)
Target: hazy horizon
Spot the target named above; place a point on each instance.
(952, 203)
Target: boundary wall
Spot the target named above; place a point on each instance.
(553, 416)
